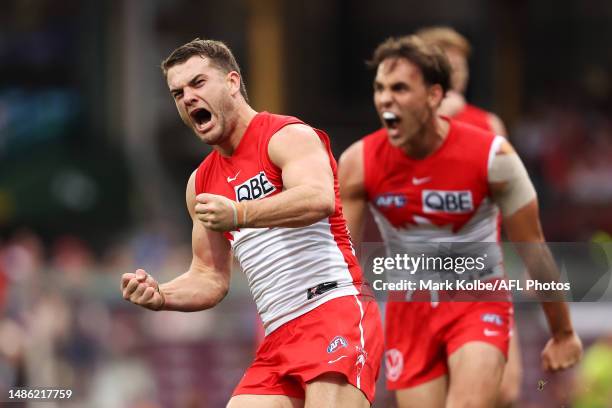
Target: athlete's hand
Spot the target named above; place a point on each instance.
(452, 104)
(142, 289)
(561, 353)
(216, 212)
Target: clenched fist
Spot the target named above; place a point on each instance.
(217, 212)
(562, 353)
(142, 289)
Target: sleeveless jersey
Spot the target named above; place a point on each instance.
(290, 271)
(474, 116)
(444, 198)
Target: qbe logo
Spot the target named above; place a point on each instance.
(439, 201)
(256, 187)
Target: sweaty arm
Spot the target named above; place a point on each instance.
(207, 281)
(513, 191)
(352, 190)
(308, 182)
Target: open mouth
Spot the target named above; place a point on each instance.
(391, 119)
(201, 117)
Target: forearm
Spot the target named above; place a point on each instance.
(193, 291)
(296, 207)
(558, 317)
(356, 232)
(354, 213)
(541, 266)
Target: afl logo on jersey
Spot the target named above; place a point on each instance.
(391, 200)
(256, 187)
(439, 201)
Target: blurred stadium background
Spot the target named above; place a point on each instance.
(94, 160)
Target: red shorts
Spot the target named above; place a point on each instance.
(343, 335)
(420, 336)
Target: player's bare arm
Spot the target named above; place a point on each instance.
(352, 190)
(512, 190)
(203, 286)
(308, 183)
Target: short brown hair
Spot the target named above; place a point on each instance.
(431, 60)
(217, 52)
(445, 37)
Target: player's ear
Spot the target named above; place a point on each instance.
(435, 94)
(233, 81)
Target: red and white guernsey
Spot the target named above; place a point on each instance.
(290, 271)
(443, 198)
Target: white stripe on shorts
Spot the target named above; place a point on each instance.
(362, 339)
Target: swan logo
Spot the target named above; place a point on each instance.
(394, 362)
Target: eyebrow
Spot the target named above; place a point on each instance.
(392, 84)
(192, 81)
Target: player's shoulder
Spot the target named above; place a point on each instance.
(278, 121)
(360, 151)
(468, 140)
(295, 129)
(283, 125)
(352, 155)
(191, 186)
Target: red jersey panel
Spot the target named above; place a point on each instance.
(445, 188)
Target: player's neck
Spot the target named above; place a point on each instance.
(428, 139)
(237, 127)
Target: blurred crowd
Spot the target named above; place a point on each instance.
(63, 323)
(568, 151)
